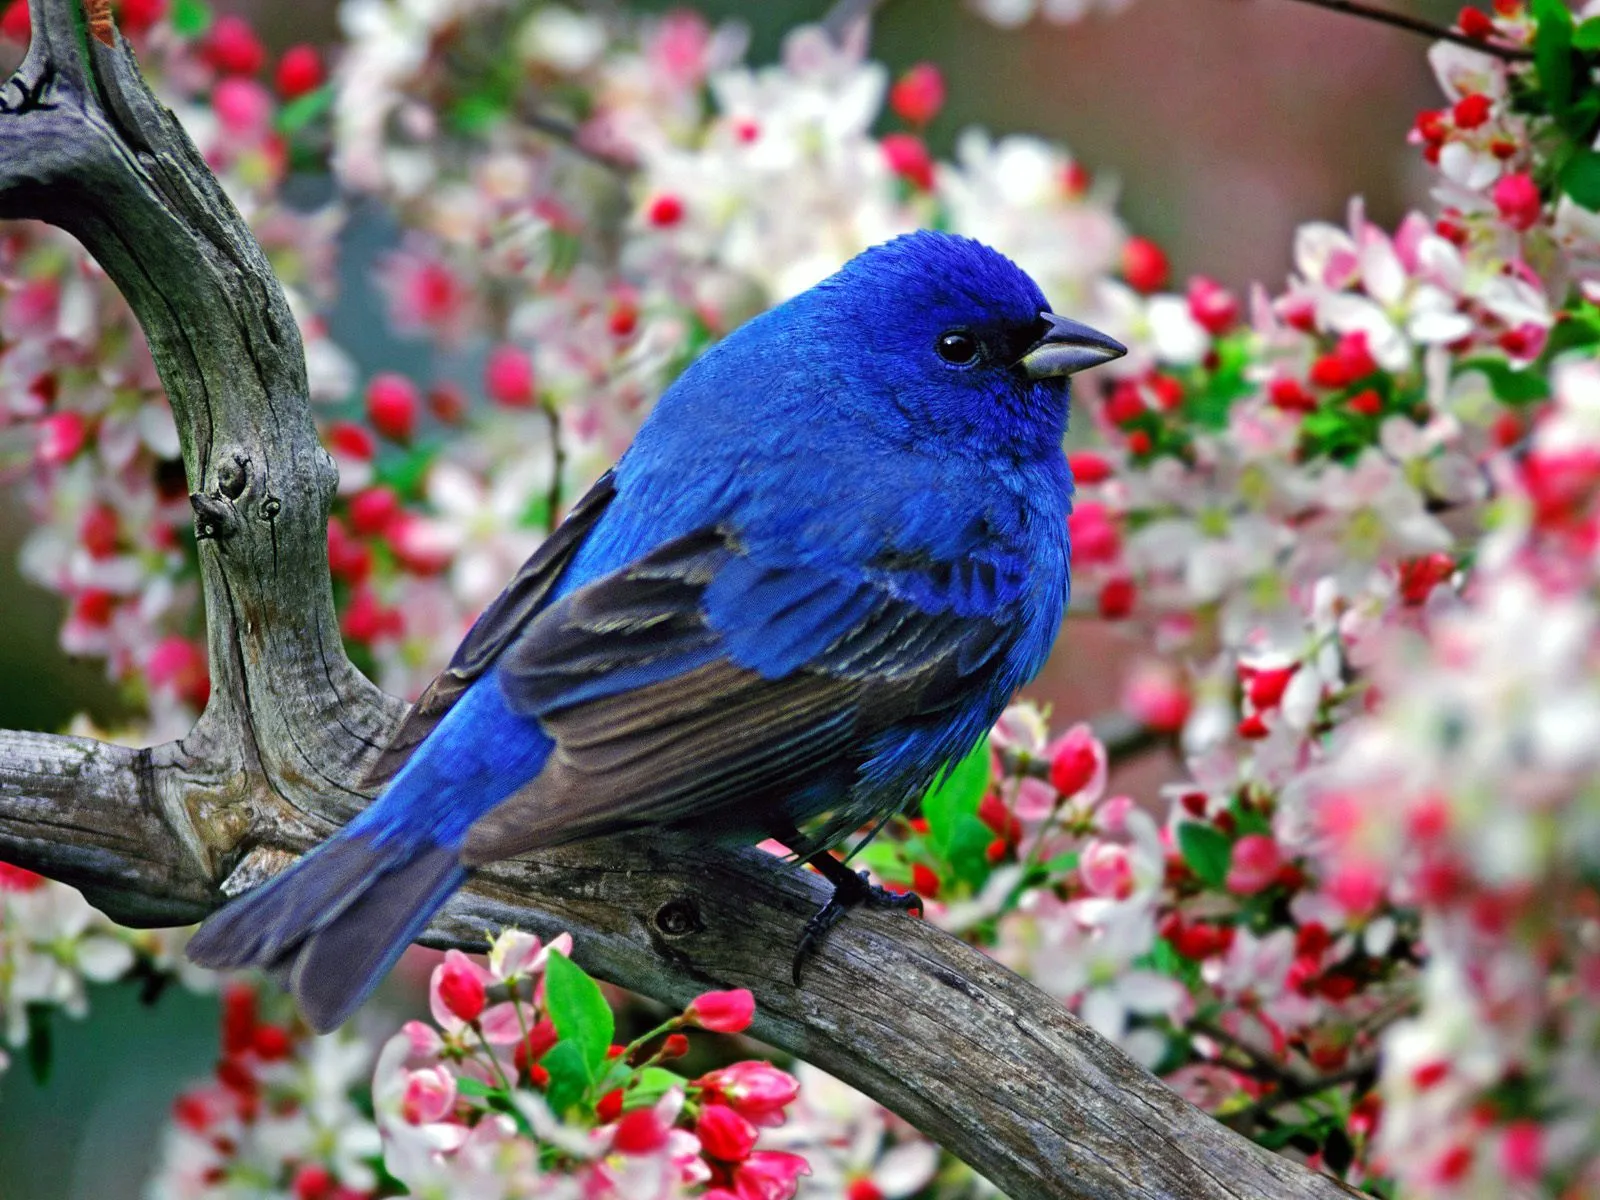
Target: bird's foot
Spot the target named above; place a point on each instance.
(850, 888)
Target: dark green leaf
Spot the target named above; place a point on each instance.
(957, 795)
(569, 1075)
(578, 1010)
(1587, 35)
(1552, 52)
(1206, 850)
(1581, 179)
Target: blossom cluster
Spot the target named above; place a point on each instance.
(1348, 525)
(515, 1089)
(53, 945)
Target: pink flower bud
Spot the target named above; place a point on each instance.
(1517, 197)
(1254, 865)
(724, 1134)
(908, 158)
(508, 377)
(723, 1012)
(393, 406)
(755, 1090)
(458, 984)
(61, 436)
(1074, 761)
(232, 47)
(1212, 306)
(243, 107)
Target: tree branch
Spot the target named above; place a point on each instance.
(983, 1062)
(1410, 24)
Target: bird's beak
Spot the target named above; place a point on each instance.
(1066, 348)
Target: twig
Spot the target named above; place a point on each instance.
(1383, 16)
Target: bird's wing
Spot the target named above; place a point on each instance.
(695, 678)
(494, 629)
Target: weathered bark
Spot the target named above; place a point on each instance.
(979, 1059)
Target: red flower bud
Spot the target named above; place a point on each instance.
(1290, 396)
(609, 1107)
(1471, 111)
(1475, 23)
(372, 511)
(460, 986)
(908, 158)
(723, 1012)
(664, 211)
(393, 406)
(1212, 306)
(724, 1134)
(1144, 265)
(1089, 467)
(918, 95)
(299, 71)
(1117, 598)
(641, 1131)
(1266, 688)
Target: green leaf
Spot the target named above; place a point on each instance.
(407, 472)
(1552, 52)
(303, 110)
(1587, 35)
(191, 18)
(1206, 850)
(578, 1010)
(968, 850)
(469, 1086)
(1510, 386)
(1580, 179)
(569, 1074)
(649, 1085)
(957, 795)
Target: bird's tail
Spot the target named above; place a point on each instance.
(332, 925)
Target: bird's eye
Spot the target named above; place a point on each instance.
(957, 347)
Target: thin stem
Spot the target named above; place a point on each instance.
(1355, 8)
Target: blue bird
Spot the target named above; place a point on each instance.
(833, 552)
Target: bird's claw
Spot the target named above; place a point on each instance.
(849, 889)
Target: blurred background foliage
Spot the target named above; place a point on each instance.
(1220, 124)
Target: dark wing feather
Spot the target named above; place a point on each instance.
(657, 721)
(493, 631)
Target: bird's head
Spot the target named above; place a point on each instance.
(950, 339)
